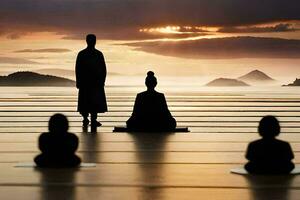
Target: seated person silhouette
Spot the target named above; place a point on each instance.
(269, 155)
(150, 112)
(58, 146)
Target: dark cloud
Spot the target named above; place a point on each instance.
(15, 35)
(10, 60)
(224, 48)
(282, 27)
(48, 50)
(133, 35)
(122, 18)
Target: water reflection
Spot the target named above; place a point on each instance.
(58, 183)
(270, 187)
(85, 129)
(150, 153)
(90, 147)
(93, 129)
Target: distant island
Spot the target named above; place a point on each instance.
(295, 83)
(34, 79)
(65, 72)
(256, 76)
(226, 82)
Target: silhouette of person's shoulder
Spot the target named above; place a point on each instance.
(45, 135)
(152, 93)
(49, 141)
(67, 134)
(159, 94)
(141, 95)
(274, 142)
(88, 51)
(150, 97)
(82, 52)
(263, 147)
(269, 156)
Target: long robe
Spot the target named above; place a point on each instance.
(151, 113)
(90, 80)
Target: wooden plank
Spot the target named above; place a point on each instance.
(105, 128)
(93, 146)
(112, 123)
(116, 118)
(177, 109)
(45, 129)
(201, 99)
(152, 138)
(175, 113)
(146, 157)
(170, 103)
(144, 175)
(72, 192)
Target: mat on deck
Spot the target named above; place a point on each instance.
(31, 164)
(242, 171)
(125, 129)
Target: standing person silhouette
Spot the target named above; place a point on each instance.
(90, 80)
(150, 112)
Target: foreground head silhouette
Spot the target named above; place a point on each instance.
(269, 127)
(91, 40)
(90, 72)
(150, 112)
(269, 155)
(58, 146)
(58, 123)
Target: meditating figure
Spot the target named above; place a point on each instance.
(269, 155)
(58, 146)
(90, 80)
(150, 112)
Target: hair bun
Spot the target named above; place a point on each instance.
(150, 73)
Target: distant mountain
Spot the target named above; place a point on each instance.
(225, 82)
(34, 79)
(295, 83)
(256, 76)
(65, 72)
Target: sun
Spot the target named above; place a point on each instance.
(164, 30)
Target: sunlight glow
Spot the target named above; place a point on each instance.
(178, 29)
(166, 30)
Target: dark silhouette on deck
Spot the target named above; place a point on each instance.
(150, 112)
(90, 80)
(58, 146)
(269, 155)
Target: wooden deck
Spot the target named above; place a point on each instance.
(191, 165)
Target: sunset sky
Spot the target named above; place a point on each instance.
(172, 37)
